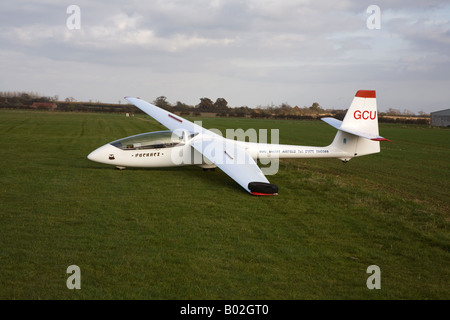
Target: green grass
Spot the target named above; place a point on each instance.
(182, 233)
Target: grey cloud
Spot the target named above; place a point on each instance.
(209, 47)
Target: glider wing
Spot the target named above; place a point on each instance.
(166, 118)
(224, 153)
(235, 162)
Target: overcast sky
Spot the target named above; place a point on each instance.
(250, 52)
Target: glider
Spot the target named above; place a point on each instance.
(187, 143)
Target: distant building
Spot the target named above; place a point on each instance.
(440, 118)
(44, 105)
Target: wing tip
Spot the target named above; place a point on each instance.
(381, 139)
(263, 194)
(262, 188)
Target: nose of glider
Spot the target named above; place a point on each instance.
(93, 156)
(102, 154)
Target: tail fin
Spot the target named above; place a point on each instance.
(358, 132)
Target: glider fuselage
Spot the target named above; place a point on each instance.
(182, 154)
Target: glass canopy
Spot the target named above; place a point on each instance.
(151, 140)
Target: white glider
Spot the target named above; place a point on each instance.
(190, 144)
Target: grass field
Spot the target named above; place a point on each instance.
(182, 233)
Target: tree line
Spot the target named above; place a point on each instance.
(219, 107)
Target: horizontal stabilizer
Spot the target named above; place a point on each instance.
(361, 133)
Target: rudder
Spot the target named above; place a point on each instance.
(362, 114)
(358, 132)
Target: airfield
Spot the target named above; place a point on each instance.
(182, 233)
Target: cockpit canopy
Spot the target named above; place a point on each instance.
(150, 140)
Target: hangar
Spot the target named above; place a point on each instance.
(440, 118)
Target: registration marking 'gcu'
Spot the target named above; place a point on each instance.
(364, 115)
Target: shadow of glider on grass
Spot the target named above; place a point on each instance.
(188, 143)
